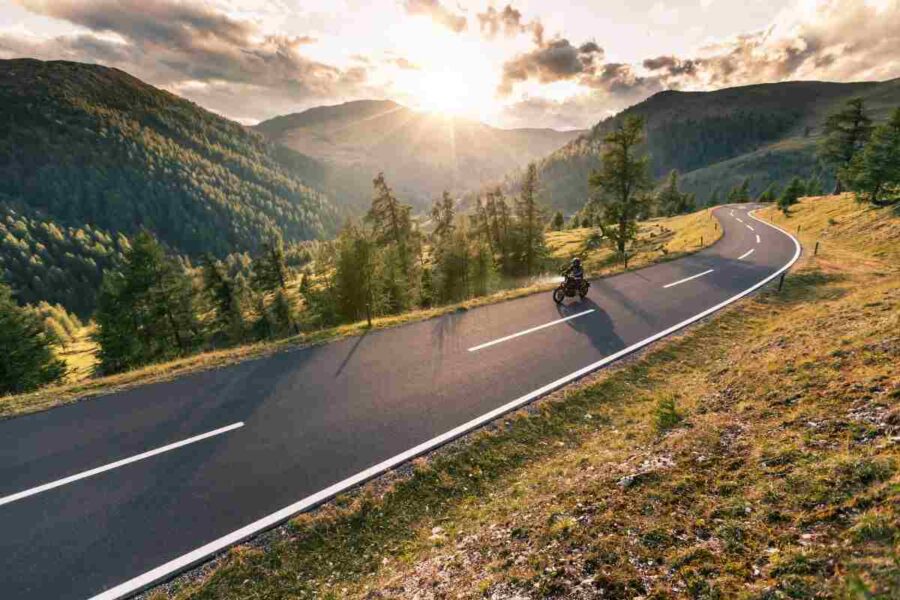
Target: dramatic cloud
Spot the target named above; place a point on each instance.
(840, 41)
(554, 61)
(192, 49)
(438, 12)
(509, 22)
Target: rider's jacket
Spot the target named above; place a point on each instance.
(576, 272)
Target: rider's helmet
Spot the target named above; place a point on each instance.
(576, 262)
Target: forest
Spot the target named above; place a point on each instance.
(87, 144)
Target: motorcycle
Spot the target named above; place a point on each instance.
(569, 287)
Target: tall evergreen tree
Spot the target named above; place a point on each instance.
(846, 132)
(226, 297)
(391, 221)
(27, 360)
(530, 221)
(270, 270)
(770, 194)
(443, 214)
(619, 186)
(875, 172)
(146, 310)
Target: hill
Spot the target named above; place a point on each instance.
(421, 154)
(86, 144)
(715, 139)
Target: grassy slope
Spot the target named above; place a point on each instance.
(678, 235)
(777, 477)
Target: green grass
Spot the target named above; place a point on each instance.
(781, 479)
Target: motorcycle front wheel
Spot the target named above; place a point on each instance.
(559, 295)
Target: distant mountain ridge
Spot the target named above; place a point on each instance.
(421, 154)
(87, 144)
(766, 132)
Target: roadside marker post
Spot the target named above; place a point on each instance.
(816, 249)
(781, 281)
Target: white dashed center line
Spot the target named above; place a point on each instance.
(746, 254)
(750, 228)
(117, 464)
(757, 238)
(738, 219)
(668, 285)
(527, 331)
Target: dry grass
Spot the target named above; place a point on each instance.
(677, 234)
(754, 456)
(658, 239)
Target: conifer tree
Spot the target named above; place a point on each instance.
(270, 267)
(443, 214)
(391, 221)
(558, 222)
(619, 186)
(226, 297)
(846, 132)
(27, 360)
(875, 172)
(790, 195)
(146, 310)
(530, 221)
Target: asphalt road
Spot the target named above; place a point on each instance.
(108, 495)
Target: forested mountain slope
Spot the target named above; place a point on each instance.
(421, 154)
(90, 145)
(766, 132)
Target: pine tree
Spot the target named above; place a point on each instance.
(146, 310)
(226, 297)
(442, 213)
(558, 222)
(845, 132)
(26, 356)
(391, 221)
(270, 270)
(354, 276)
(619, 187)
(530, 219)
(875, 171)
(790, 195)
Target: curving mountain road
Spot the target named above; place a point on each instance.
(107, 496)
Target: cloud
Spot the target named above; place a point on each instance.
(438, 12)
(509, 22)
(849, 40)
(846, 40)
(553, 61)
(167, 42)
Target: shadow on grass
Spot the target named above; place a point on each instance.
(809, 286)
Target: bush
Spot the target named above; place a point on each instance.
(666, 414)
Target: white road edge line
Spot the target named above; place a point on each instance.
(181, 563)
(674, 283)
(757, 238)
(746, 254)
(116, 464)
(527, 331)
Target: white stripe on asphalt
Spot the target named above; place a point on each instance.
(196, 556)
(746, 254)
(668, 285)
(757, 238)
(527, 331)
(115, 465)
(738, 219)
(750, 228)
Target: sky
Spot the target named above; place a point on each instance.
(564, 64)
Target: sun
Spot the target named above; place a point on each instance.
(451, 76)
(444, 92)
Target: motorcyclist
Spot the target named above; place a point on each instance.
(575, 271)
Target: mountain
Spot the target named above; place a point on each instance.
(421, 154)
(767, 133)
(90, 145)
